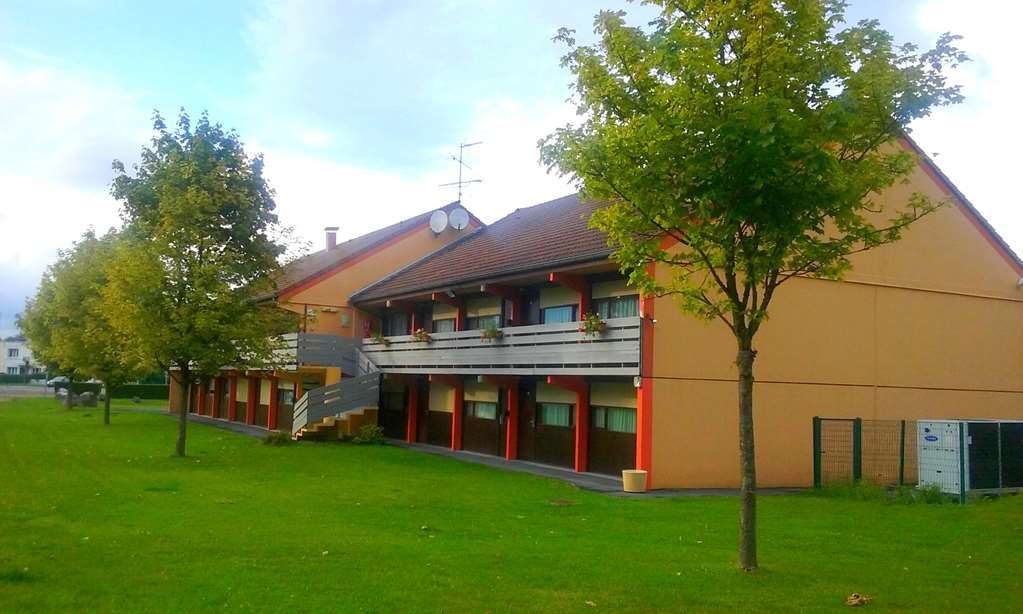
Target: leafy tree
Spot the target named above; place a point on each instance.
(755, 136)
(38, 321)
(74, 329)
(199, 250)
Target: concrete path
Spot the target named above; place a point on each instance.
(21, 391)
(595, 482)
(235, 427)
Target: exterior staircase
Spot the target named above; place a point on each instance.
(338, 411)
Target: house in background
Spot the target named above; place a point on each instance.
(929, 327)
(316, 287)
(16, 357)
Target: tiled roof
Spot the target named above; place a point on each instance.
(324, 260)
(543, 236)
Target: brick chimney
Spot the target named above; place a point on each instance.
(331, 236)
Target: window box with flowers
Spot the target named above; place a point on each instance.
(378, 337)
(592, 325)
(422, 335)
(490, 332)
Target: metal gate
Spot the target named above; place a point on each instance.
(846, 450)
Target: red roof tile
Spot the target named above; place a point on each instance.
(543, 236)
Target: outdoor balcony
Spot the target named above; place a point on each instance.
(542, 349)
(314, 349)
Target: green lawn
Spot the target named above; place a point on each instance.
(95, 518)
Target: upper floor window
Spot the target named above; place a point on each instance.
(446, 325)
(12, 352)
(396, 323)
(617, 306)
(481, 322)
(559, 314)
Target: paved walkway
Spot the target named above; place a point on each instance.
(595, 482)
(21, 391)
(235, 427)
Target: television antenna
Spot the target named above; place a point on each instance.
(461, 164)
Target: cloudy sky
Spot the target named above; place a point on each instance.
(357, 105)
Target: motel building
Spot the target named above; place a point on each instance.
(449, 332)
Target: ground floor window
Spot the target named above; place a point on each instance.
(12, 370)
(481, 409)
(557, 414)
(285, 397)
(614, 419)
(617, 306)
(393, 400)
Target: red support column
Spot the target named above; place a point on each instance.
(645, 391)
(271, 414)
(413, 411)
(457, 303)
(581, 388)
(576, 282)
(200, 406)
(232, 400)
(457, 408)
(511, 444)
(507, 293)
(251, 400)
(218, 390)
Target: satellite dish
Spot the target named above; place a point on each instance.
(459, 219)
(438, 222)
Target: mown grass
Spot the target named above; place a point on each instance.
(95, 518)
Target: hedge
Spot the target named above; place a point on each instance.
(19, 379)
(142, 391)
(79, 387)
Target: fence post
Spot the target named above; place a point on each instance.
(902, 452)
(816, 452)
(857, 449)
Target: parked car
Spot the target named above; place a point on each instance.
(60, 379)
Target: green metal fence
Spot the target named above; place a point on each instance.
(846, 450)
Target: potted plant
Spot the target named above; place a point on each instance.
(422, 335)
(490, 332)
(378, 337)
(592, 325)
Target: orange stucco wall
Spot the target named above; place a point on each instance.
(931, 326)
(329, 296)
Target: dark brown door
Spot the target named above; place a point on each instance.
(527, 420)
(285, 409)
(225, 390)
(391, 417)
(554, 434)
(612, 440)
(438, 428)
(481, 427)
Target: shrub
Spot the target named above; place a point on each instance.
(277, 439)
(870, 491)
(80, 387)
(369, 434)
(142, 391)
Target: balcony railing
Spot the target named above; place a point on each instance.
(543, 349)
(313, 349)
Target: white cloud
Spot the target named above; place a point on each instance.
(976, 142)
(61, 132)
(313, 192)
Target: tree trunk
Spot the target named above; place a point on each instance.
(106, 405)
(186, 403)
(70, 391)
(747, 461)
